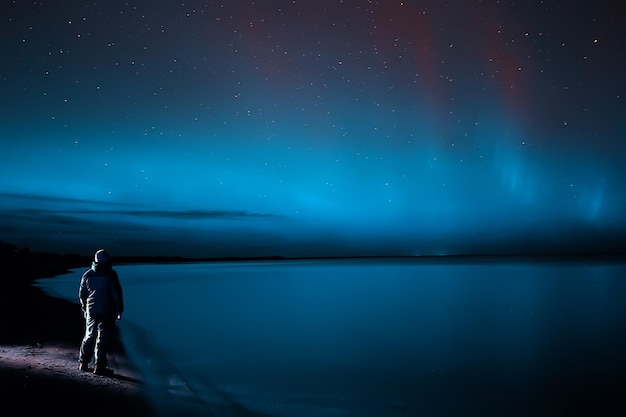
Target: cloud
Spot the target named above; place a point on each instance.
(180, 214)
(63, 201)
(75, 225)
(52, 199)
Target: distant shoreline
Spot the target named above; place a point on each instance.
(29, 266)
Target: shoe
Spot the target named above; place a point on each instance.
(83, 367)
(102, 371)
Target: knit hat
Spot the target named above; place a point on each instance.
(101, 257)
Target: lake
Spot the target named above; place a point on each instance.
(376, 337)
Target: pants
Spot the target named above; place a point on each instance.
(99, 331)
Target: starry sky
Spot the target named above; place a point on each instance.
(313, 128)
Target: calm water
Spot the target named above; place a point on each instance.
(375, 337)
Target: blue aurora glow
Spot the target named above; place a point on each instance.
(353, 128)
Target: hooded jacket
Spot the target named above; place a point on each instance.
(100, 291)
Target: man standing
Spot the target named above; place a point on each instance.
(100, 296)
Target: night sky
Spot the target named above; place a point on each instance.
(313, 128)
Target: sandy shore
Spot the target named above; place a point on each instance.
(39, 341)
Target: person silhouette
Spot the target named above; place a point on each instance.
(102, 303)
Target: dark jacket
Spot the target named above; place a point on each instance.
(100, 290)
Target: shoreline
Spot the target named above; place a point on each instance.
(39, 341)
